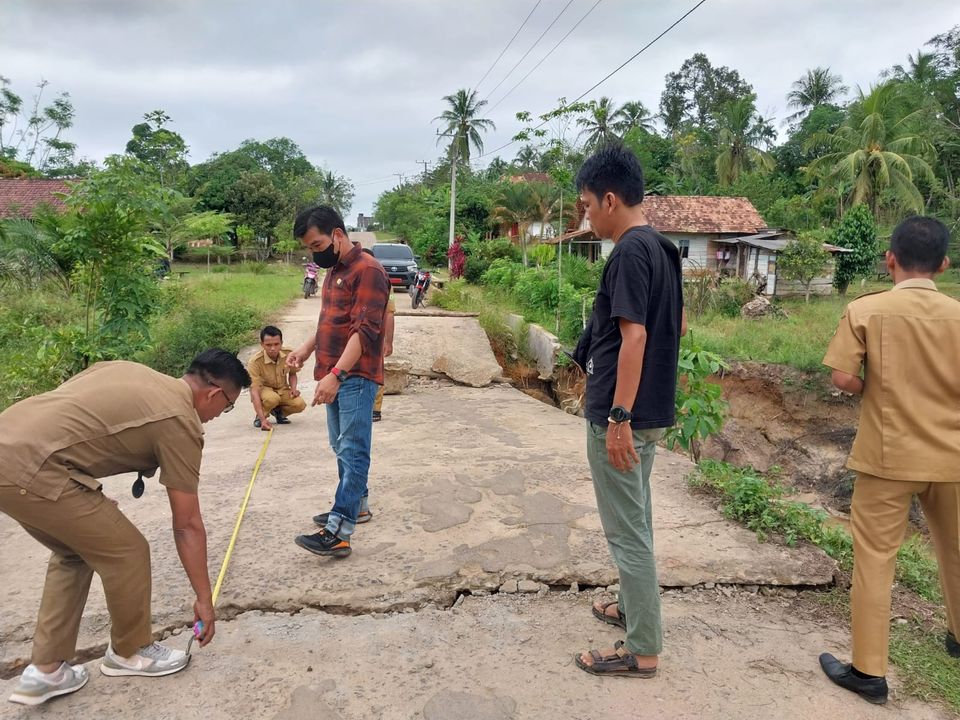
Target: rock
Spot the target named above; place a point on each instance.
(709, 586)
(475, 372)
(789, 592)
(396, 375)
(510, 586)
(901, 621)
(574, 587)
(615, 588)
(528, 586)
(752, 589)
(757, 308)
(459, 601)
(768, 591)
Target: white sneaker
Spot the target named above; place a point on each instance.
(36, 687)
(153, 660)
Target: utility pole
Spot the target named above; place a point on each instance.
(425, 163)
(400, 177)
(454, 147)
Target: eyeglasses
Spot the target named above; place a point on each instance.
(229, 405)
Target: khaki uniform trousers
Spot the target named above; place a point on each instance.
(87, 534)
(272, 399)
(878, 520)
(378, 400)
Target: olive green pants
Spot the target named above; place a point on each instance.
(626, 513)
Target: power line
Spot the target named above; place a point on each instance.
(507, 46)
(607, 77)
(545, 56)
(537, 42)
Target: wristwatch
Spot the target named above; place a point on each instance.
(619, 415)
(339, 374)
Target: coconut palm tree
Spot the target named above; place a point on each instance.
(922, 69)
(336, 191)
(817, 87)
(528, 158)
(741, 135)
(633, 114)
(877, 150)
(517, 206)
(599, 123)
(463, 125)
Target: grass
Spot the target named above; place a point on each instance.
(917, 650)
(384, 235)
(800, 340)
(265, 291)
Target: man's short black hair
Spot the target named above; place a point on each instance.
(272, 331)
(322, 217)
(920, 244)
(216, 364)
(614, 169)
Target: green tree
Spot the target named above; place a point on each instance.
(742, 136)
(161, 150)
(335, 190)
(633, 114)
(817, 87)
(463, 124)
(258, 204)
(106, 236)
(35, 138)
(697, 92)
(516, 206)
(599, 123)
(879, 150)
(856, 232)
(281, 157)
(803, 260)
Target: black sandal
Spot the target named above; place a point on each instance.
(619, 620)
(622, 663)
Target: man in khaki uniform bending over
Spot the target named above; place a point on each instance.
(115, 417)
(274, 387)
(906, 341)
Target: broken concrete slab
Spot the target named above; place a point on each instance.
(542, 345)
(396, 375)
(457, 348)
(470, 489)
(503, 656)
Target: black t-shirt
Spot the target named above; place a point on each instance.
(641, 283)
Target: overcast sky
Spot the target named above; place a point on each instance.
(356, 84)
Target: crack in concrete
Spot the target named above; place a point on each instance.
(444, 600)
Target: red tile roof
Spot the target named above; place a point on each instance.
(695, 214)
(20, 197)
(531, 177)
(702, 214)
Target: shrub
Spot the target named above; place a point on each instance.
(730, 295)
(543, 254)
(502, 273)
(475, 269)
(578, 271)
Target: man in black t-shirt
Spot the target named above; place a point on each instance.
(629, 353)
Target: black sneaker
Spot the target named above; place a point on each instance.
(280, 418)
(377, 416)
(364, 517)
(871, 689)
(323, 543)
(953, 647)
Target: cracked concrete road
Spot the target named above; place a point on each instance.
(471, 488)
(500, 657)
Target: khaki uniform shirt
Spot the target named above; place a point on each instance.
(265, 372)
(908, 342)
(115, 417)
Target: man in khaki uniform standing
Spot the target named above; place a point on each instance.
(115, 417)
(906, 341)
(274, 387)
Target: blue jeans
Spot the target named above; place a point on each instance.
(350, 427)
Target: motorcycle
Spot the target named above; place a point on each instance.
(312, 270)
(418, 290)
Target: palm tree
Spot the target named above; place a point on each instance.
(877, 150)
(598, 125)
(336, 191)
(528, 158)
(742, 135)
(922, 70)
(817, 87)
(463, 125)
(633, 114)
(517, 206)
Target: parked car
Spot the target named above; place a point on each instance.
(399, 262)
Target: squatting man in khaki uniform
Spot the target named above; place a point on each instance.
(115, 417)
(274, 385)
(906, 342)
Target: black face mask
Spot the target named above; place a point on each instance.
(326, 258)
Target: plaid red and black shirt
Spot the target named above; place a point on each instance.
(354, 295)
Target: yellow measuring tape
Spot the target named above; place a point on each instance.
(236, 532)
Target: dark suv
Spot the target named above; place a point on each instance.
(398, 261)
